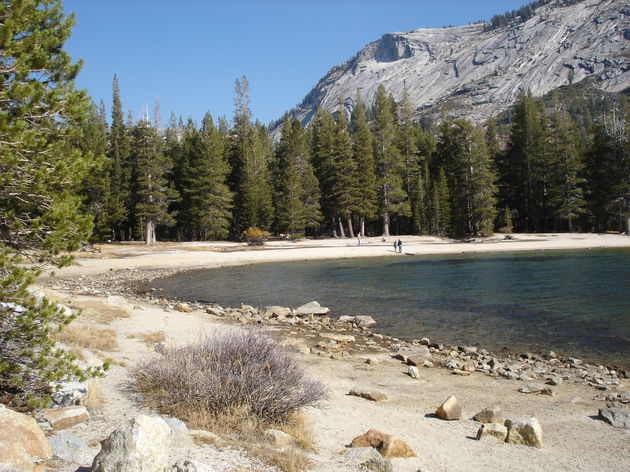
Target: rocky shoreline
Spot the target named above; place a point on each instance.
(317, 333)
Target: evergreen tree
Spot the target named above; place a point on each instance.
(153, 194)
(119, 203)
(408, 146)
(289, 193)
(464, 156)
(566, 195)
(251, 153)
(42, 117)
(391, 194)
(441, 206)
(347, 185)
(206, 187)
(363, 156)
(308, 181)
(323, 156)
(523, 165)
(96, 187)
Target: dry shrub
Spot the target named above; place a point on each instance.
(94, 399)
(88, 337)
(239, 378)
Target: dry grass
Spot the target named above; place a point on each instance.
(101, 312)
(297, 426)
(88, 337)
(149, 338)
(94, 400)
(289, 459)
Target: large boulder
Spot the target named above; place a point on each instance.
(372, 438)
(63, 418)
(139, 445)
(312, 308)
(179, 433)
(617, 417)
(449, 410)
(22, 442)
(492, 431)
(526, 431)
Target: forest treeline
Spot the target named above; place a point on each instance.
(375, 171)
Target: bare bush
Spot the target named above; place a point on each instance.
(231, 371)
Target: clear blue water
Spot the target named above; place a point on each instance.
(575, 302)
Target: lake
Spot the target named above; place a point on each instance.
(573, 302)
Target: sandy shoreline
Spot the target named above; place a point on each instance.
(574, 438)
(186, 256)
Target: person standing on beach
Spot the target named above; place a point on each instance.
(395, 246)
(400, 246)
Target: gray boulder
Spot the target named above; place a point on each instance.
(139, 445)
(179, 433)
(378, 464)
(312, 308)
(617, 417)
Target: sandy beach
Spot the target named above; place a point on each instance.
(575, 439)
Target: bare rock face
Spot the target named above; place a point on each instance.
(139, 445)
(526, 431)
(21, 441)
(481, 73)
(449, 410)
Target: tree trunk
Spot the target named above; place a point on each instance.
(386, 225)
(350, 228)
(341, 231)
(334, 228)
(362, 226)
(150, 241)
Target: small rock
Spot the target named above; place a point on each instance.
(183, 307)
(463, 373)
(369, 395)
(394, 448)
(449, 410)
(493, 414)
(554, 381)
(69, 393)
(413, 372)
(372, 438)
(399, 357)
(532, 388)
(361, 453)
(526, 431)
(617, 417)
(63, 418)
(277, 312)
(378, 464)
(492, 430)
(364, 321)
(312, 308)
(372, 361)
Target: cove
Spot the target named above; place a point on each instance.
(574, 302)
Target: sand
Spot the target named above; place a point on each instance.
(574, 438)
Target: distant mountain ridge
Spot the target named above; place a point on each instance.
(476, 72)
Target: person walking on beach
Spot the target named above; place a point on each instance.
(400, 246)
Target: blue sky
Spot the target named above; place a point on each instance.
(188, 53)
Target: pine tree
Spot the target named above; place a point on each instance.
(524, 159)
(323, 157)
(347, 184)
(153, 194)
(363, 156)
(407, 140)
(96, 187)
(391, 194)
(308, 181)
(42, 117)
(566, 195)
(251, 153)
(120, 168)
(206, 187)
(441, 207)
(289, 193)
